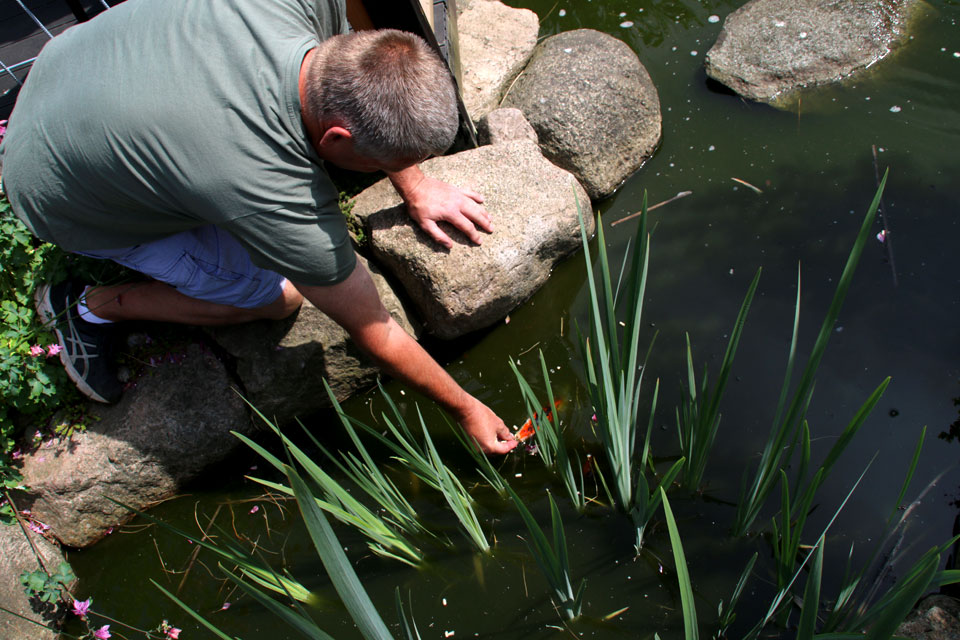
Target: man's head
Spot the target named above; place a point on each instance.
(389, 90)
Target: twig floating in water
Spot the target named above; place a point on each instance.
(747, 184)
(682, 194)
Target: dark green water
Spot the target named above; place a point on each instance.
(815, 168)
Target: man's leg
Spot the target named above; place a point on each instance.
(202, 277)
(152, 300)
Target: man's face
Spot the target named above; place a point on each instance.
(345, 157)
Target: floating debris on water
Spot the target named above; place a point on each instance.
(747, 184)
(895, 109)
(626, 24)
(713, 19)
(563, 12)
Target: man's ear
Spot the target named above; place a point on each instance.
(334, 137)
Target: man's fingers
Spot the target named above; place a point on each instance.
(478, 215)
(467, 227)
(473, 195)
(435, 232)
(500, 447)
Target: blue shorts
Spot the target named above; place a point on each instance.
(204, 263)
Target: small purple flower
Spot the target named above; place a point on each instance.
(103, 633)
(882, 236)
(53, 349)
(80, 607)
(36, 351)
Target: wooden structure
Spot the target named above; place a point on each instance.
(436, 22)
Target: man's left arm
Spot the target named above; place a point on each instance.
(430, 201)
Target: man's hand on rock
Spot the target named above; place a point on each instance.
(430, 201)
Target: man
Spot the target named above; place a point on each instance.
(185, 139)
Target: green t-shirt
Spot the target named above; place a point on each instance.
(159, 116)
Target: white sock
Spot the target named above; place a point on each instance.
(85, 312)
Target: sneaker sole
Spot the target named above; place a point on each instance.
(44, 307)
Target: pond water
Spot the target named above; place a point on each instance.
(815, 169)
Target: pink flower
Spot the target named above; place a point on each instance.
(103, 633)
(173, 633)
(36, 351)
(53, 349)
(226, 605)
(80, 607)
(882, 236)
(255, 509)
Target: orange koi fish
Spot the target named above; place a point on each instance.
(527, 431)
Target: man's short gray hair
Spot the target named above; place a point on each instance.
(390, 89)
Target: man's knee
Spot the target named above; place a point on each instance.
(284, 306)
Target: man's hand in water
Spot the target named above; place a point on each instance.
(486, 429)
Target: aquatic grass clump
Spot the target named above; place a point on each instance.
(788, 424)
(698, 418)
(340, 570)
(387, 538)
(614, 374)
(423, 461)
(551, 556)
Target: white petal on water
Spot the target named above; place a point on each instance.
(626, 24)
(895, 109)
(563, 12)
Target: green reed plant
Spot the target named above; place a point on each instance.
(407, 451)
(727, 614)
(484, 467)
(339, 569)
(387, 538)
(688, 606)
(550, 445)
(365, 472)
(457, 497)
(614, 372)
(788, 422)
(551, 556)
(236, 557)
(857, 603)
(698, 417)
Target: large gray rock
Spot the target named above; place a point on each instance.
(768, 49)
(16, 556)
(937, 617)
(175, 422)
(592, 104)
(282, 364)
(504, 125)
(534, 208)
(495, 43)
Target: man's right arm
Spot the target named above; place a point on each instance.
(355, 305)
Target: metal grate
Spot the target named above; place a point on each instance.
(27, 25)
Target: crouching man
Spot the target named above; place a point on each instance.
(187, 141)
